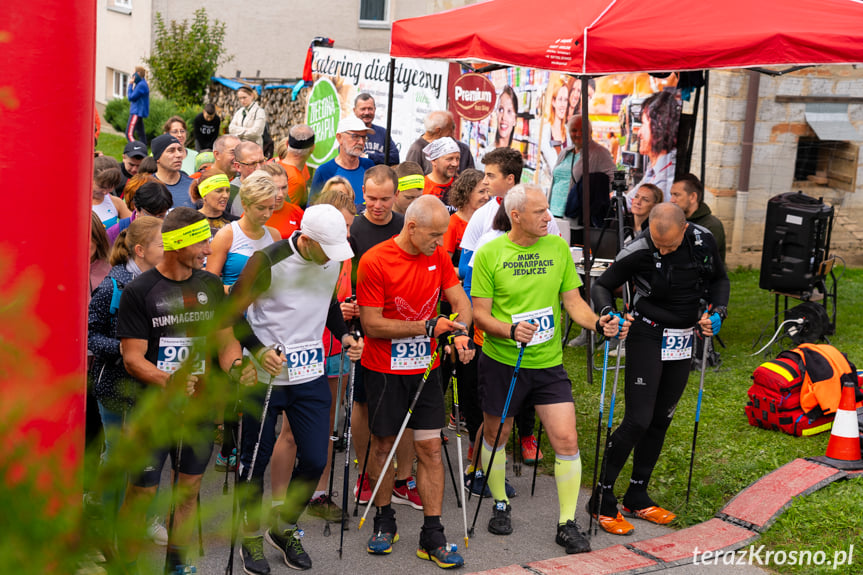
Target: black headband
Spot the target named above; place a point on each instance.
(301, 144)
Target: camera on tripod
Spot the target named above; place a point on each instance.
(618, 184)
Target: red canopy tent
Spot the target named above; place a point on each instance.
(597, 37)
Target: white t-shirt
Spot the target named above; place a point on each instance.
(481, 221)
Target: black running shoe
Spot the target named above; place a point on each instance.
(252, 553)
(571, 538)
(501, 519)
(289, 542)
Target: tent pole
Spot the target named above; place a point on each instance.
(389, 112)
(585, 213)
(704, 125)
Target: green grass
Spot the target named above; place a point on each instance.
(731, 454)
(112, 145)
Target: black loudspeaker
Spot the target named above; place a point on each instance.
(796, 242)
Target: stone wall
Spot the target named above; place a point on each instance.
(778, 128)
(282, 112)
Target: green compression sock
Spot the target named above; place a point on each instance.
(496, 476)
(567, 476)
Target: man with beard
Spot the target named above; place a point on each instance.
(350, 163)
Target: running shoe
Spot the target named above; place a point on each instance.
(461, 423)
(445, 556)
(653, 513)
(366, 492)
(501, 519)
(570, 537)
(381, 543)
(226, 463)
(530, 452)
(290, 543)
(474, 481)
(408, 494)
(252, 555)
(324, 507)
(157, 532)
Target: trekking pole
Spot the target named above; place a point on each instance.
(516, 451)
(460, 494)
(200, 529)
(443, 442)
(704, 353)
(362, 479)
(607, 436)
(599, 427)
(401, 432)
(521, 348)
(235, 503)
(535, 465)
(279, 351)
(335, 437)
(349, 396)
(174, 483)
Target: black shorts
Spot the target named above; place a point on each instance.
(359, 384)
(390, 396)
(533, 386)
(194, 457)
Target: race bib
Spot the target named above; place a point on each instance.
(676, 344)
(543, 319)
(177, 351)
(305, 360)
(410, 353)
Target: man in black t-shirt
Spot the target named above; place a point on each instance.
(168, 332)
(205, 127)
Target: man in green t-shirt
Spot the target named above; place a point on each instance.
(518, 282)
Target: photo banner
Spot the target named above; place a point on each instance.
(531, 108)
(420, 87)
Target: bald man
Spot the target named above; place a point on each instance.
(399, 283)
(519, 280)
(673, 267)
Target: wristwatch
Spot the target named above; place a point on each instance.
(721, 311)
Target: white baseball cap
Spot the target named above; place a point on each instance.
(351, 123)
(326, 225)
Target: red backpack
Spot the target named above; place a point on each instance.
(813, 372)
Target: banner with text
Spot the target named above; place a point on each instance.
(420, 86)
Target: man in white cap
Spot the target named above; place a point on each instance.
(350, 163)
(287, 290)
(444, 156)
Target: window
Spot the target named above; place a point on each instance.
(121, 81)
(121, 6)
(826, 163)
(374, 13)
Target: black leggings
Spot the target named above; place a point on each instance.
(652, 390)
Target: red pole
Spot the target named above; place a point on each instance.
(46, 165)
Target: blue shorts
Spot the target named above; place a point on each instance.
(333, 365)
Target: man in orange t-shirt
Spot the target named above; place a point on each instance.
(399, 282)
(293, 153)
(444, 156)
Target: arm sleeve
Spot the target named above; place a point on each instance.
(336, 321)
(464, 267)
(720, 287)
(602, 289)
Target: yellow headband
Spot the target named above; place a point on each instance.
(213, 183)
(187, 236)
(412, 182)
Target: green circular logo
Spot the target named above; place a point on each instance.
(322, 114)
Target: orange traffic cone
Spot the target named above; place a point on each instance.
(843, 450)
